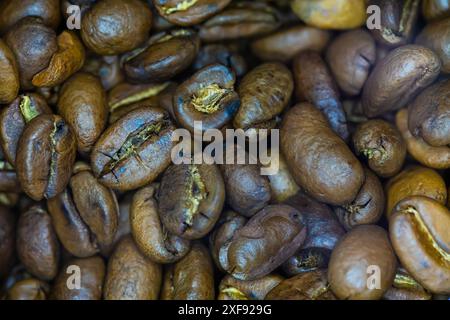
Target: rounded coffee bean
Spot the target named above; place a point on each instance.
(419, 233)
(191, 198)
(28, 289)
(37, 244)
(352, 261)
(9, 74)
(321, 162)
(134, 150)
(45, 156)
(234, 289)
(227, 55)
(191, 278)
(398, 77)
(382, 145)
(265, 242)
(113, 27)
(130, 275)
(152, 238)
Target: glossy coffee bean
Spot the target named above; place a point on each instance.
(311, 285)
(85, 215)
(234, 289)
(130, 275)
(134, 150)
(398, 77)
(92, 273)
(419, 233)
(429, 115)
(15, 116)
(113, 27)
(191, 198)
(381, 145)
(351, 55)
(208, 96)
(7, 240)
(321, 162)
(28, 289)
(191, 278)
(315, 84)
(265, 242)
(82, 104)
(37, 244)
(352, 260)
(9, 74)
(150, 235)
(45, 156)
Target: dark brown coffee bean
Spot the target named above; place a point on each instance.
(321, 163)
(45, 156)
(189, 12)
(134, 150)
(130, 275)
(234, 289)
(191, 198)
(28, 289)
(227, 55)
(9, 74)
(265, 242)
(91, 273)
(350, 56)
(15, 116)
(191, 278)
(362, 252)
(113, 27)
(7, 240)
(82, 104)
(315, 84)
(163, 56)
(398, 77)
(85, 215)
(429, 115)
(208, 96)
(152, 238)
(382, 145)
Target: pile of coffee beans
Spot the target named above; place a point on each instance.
(94, 206)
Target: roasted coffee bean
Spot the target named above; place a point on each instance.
(85, 215)
(189, 12)
(352, 261)
(208, 96)
(130, 275)
(282, 182)
(37, 244)
(163, 56)
(15, 116)
(406, 288)
(234, 289)
(350, 56)
(433, 157)
(382, 145)
(151, 236)
(436, 36)
(368, 206)
(315, 84)
(429, 115)
(191, 278)
(227, 55)
(321, 163)
(45, 156)
(331, 14)
(8, 179)
(397, 21)
(9, 74)
(419, 233)
(11, 12)
(113, 27)
(311, 285)
(246, 189)
(7, 240)
(240, 20)
(91, 272)
(435, 9)
(284, 45)
(191, 198)
(28, 289)
(33, 44)
(133, 151)
(398, 77)
(82, 104)
(265, 92)
(265, 242)
(323, 232)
